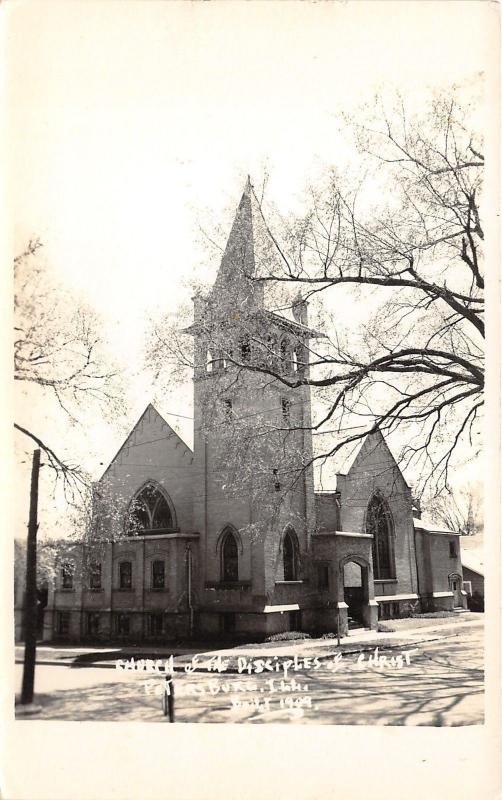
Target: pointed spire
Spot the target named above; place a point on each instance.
(238, 262)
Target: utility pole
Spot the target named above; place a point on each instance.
(188, 552)
(30, 638)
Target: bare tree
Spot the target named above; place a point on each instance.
(406, 242)
(460, 511)
(58, 353)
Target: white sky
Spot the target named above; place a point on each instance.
(130, 122)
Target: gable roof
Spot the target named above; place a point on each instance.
(374, 440)
(473, 560)
(340, 463)
(127, 441)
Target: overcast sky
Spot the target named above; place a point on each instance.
(130, 123)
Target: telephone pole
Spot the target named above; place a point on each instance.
(30, 637)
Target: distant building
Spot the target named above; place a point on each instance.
(474, 578)
(222, 540)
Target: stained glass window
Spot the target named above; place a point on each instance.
(379, 524)
(290, 556)
(150, 512)
(229, 558)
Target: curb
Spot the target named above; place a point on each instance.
(347, 648)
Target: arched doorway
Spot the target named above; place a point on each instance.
(354, 593)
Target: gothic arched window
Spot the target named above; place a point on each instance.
(229, 557)
(379, 524)
(150, 512)
(290, 555)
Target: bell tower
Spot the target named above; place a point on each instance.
(253, 484)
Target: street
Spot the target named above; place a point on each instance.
(436, 683)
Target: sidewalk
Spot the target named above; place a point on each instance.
(357, 641)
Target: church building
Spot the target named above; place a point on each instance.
(232, 538)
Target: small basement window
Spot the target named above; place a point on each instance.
(322, 574)
(92, 623)
(155, 624)
(123, 624)
(228, 622)
(62, 623)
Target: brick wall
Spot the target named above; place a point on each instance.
(375, 470)
(153, 451)
(237, 488)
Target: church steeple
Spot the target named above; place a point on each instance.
(238, 264)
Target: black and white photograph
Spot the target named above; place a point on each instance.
(255, 470)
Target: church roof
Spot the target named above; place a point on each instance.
(345, 460)
(150, 409)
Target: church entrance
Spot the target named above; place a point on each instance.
(354, 592)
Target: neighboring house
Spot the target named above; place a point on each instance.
(474, 578)
(180, 552)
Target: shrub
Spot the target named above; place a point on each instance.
(287, 636)
(436, 614)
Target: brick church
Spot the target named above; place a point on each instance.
(232, 538)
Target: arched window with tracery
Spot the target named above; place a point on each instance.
(150, 512)
(380, 525)
(290, 555)
(229, 557)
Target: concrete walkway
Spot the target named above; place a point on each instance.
(358, 640)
